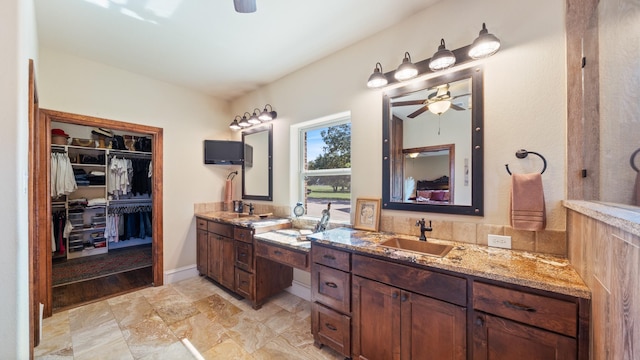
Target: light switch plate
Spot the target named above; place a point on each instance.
(500, 241)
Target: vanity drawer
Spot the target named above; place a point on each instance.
(537, 310)
(331, 287)
(201, 223)
(298, 260)
(440, 286)
(244, 283)
(330, 257)
(332, 328)
(244, 255)
(243, 234)
(220, 229)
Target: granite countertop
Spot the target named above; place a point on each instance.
(242, 219)
(288, 238)
(533, 270)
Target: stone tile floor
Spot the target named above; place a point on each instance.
(151, 324)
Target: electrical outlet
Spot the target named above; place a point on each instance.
(500, 241)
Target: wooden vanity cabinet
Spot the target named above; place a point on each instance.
(202, 243)
(514, 324)
(220, 254)
(331, 298)
(391, 322)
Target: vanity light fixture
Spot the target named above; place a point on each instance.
(267, 115)
(377, 79)
(234, 124)
(244, 122)
(253, 120)
(442, 59)
(484, 45)
(406, 70)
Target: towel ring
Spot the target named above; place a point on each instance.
(632, 160)
(522, 153)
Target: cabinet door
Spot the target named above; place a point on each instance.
(498, 338)
(215, 255)
(376, 320)
(202, 251)
(432, 329)
(227, 262)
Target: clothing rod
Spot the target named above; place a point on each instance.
(126, 154)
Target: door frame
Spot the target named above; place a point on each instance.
(42, 247)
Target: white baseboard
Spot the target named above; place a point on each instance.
(300, 290)
(179, 274)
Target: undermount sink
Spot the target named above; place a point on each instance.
(422, 247)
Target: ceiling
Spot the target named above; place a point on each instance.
(207, 46)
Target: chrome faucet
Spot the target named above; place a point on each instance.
(423, 228)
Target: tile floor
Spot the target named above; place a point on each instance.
(151, 324)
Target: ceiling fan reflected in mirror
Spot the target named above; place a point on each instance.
(437, 102)
(245, 6)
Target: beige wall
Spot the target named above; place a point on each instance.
(18, 43)
(68, 83)
(525, 97)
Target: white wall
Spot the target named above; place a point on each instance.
(18, 43)
(72, 84)
(524, 99)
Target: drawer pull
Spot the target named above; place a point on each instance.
(330, 327)
(244, 282)
(331, 284)
(330, 257)
(517, 306)
(278, 252)
(243, 254)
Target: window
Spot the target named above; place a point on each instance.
(323, 166)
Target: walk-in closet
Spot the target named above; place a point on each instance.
(105, 191)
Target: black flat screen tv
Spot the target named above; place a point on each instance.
(223, 152)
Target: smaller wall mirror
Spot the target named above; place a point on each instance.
(432, 145)
(257, 170)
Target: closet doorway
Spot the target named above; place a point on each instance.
(89, 240)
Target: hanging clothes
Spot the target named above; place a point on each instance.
(63, 180)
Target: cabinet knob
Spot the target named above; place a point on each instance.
(479, 321)
(404, 297)
(330, 327)
(394, 295)
(517, 306)
(331, 284)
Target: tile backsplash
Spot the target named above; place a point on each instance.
(547, 241)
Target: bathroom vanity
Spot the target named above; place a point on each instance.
(375, 302)
(228, 253)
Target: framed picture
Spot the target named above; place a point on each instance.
(367, 215)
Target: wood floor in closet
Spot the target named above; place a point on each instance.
(84, 292)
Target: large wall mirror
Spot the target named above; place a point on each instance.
(432, 145)
(257, 171)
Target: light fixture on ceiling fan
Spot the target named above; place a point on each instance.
(245, 6)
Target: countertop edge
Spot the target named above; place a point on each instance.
(626, 220)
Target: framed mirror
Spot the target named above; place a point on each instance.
(257, 170)
(432, 145)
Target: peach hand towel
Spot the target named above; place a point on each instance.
(527, 202)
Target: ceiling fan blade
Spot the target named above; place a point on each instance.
(417, 112)
(245, 6)
(461, 95)
(409, 102)
(457, 107)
